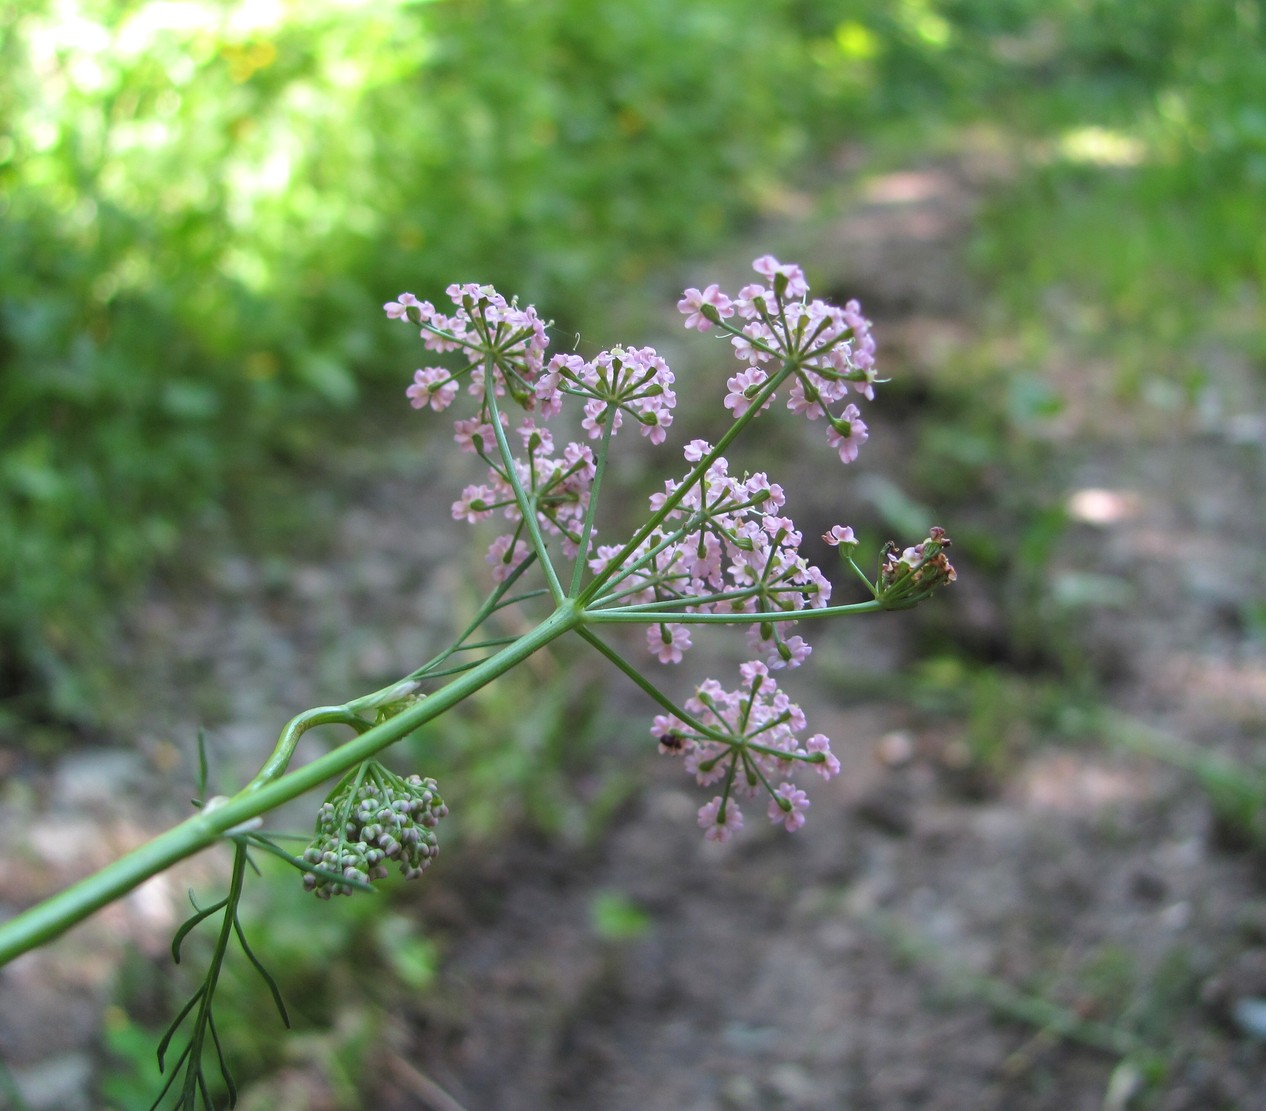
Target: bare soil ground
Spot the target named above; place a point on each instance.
(1070, 932)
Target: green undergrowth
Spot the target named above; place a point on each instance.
(203, 215)
(206, 205)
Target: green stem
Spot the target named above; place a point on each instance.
(862, 575)
(631, 567)
(45, 921)
(647, 687)
(595, 489)
(202, 1021)
(289, 740)
(526, 504)
(495, 601)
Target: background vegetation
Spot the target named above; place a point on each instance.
(203, 204)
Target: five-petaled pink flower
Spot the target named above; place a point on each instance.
(720, 819)
(692, 304)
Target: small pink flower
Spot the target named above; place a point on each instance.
(796, 803)
(580, 461)
(399, 310)
(692, 304)
(799, 404)
(701, 762)
(745, 345)
(740, 389)
(840, 535)
(501, 562)
(850, 437)
(656, 430)
(769, 268)
(475, 504)
(432, 386)
(668, 642)
(596, 417)
(797, 651)
(778, 653)
(474, 435)
(671, 736)
(830, 766)
(717, 827)
(754, 674)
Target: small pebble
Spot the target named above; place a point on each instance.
(895, 749)
(1250, 1016)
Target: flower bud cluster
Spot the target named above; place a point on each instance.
(746, 740)
(370, 820)
(829, 350)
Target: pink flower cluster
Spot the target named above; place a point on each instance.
(745, 740)
(637, 382)
(725, 547)
(557, 483)
(716, 544)
(829, 350)
(486, 329)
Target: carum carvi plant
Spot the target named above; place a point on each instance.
(714, 548)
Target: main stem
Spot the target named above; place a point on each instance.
(45, 921)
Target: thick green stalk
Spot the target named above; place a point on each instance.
(45, 921)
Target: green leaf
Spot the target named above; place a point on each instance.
(225, 1071)
(191, 923)
(264, 973)
(615, 917)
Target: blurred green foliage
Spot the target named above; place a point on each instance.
(1119, 260)
(205, 203)
(1135, 227)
